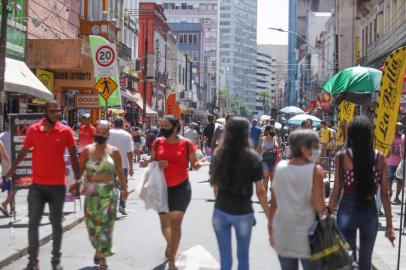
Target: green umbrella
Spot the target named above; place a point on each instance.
(355, 84)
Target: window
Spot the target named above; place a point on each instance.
(366, 36)
(166, 5)
(190, 39)
(184, 5)
(195, 39)
(180, 39)
(370, 32)
(375, 28)
(363, 42)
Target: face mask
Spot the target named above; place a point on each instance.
(315, 155)
(166, 132)
(100, 139)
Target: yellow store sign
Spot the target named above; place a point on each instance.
(346, 111)
(47, 78)
(387, 107)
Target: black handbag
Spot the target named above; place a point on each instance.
(328, 248)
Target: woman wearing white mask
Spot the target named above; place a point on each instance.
(297, 196)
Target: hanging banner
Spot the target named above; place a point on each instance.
(387, 106)
(346, 111)
(172, 107)
(115, 98)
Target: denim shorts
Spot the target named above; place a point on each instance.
(392, 174)
(268, 166)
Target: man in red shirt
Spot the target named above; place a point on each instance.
(86, 132)
(48, 140)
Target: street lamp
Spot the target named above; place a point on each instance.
(304, 40)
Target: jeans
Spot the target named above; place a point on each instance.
(293, 263)
(353, 215)
(222, 223)
(123, 202)
(37, 197)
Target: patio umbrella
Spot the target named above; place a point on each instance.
(265, 117)
(291, 110)
(355, 84)
(278, 125)
(298, 119)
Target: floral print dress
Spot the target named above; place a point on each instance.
(101, 207)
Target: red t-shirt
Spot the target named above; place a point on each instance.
(86, 136)
(176, 154)
(48, 148)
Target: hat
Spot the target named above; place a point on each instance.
(84, 115)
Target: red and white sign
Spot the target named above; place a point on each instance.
(87, 101)
(105, 60)
(123, 82)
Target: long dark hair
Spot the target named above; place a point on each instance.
(360, 139)
(174, 121)
(234, 159)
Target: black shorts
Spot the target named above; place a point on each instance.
(179, 196)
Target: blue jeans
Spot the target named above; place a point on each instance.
(352, 215)
(293, 263)
(222, 223)
(122, 202)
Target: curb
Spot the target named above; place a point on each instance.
(47, 238)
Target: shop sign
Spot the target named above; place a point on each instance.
(346, 111)
(123, 82)
(19, 124)
(47, 78)
(105, 87)
(16, 30)
(87, 101)
(387, 105)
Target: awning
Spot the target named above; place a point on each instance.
(128, 95)
(20, 79)
(140, 104)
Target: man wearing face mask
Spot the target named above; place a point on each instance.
(123, 141)
(48, 140)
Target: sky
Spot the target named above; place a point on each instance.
(272, 13)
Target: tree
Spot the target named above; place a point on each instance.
(222, 97)
(266, 100)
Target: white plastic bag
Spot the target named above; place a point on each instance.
(399, 170)
(153, 189)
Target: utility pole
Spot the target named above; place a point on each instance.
(3, 46)
(144, 93)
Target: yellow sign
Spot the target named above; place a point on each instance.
(387, 106)
(47, 78)
(105, 86)
(346, 111)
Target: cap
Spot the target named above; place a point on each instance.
(84, 115)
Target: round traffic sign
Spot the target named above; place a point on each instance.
(105, 56)
(216, 110)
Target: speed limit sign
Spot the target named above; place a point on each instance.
(105, 61)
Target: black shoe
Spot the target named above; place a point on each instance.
(32, 265)
(56, 264)
(381, 214)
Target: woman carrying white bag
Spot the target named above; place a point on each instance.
(173, 153)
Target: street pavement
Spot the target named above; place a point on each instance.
(139, 244)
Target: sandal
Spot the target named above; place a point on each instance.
(96, 260)
(172, 266)
(4, 211)
(103, 267)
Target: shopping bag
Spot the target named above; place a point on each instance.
(329, 250)
(153, 189)
(399, 170)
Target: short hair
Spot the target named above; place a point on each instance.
(323, 123)
(309, 120)
(254, 121)
(210, 118)
(118, 123)
(302, 138)
(103, 123)
(174, 121)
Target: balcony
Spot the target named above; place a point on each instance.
(124, 51)
(106, 29)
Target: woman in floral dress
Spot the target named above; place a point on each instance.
(101, 163)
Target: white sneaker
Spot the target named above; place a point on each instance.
(122, 211)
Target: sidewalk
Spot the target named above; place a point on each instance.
(14, 245)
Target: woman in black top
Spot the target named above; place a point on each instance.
(236, 168)
(137, 139)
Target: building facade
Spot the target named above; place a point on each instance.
(266, 86)
(238, 49)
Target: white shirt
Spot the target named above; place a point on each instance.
(5, 138)
(295, 214)
(123, 141)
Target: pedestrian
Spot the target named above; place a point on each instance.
(255, 133)
(5, 154)
(174, 153)
(192, 134)
(393, 160)
(219, 131)
(102, 162)
(137, 139)
(268, 147)
(236, 169)
(326, 137)
(151, 133)
(297, 197)
(86, 132)
(48, 140)
(123, 141)
(208, 133)
(359, 171)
